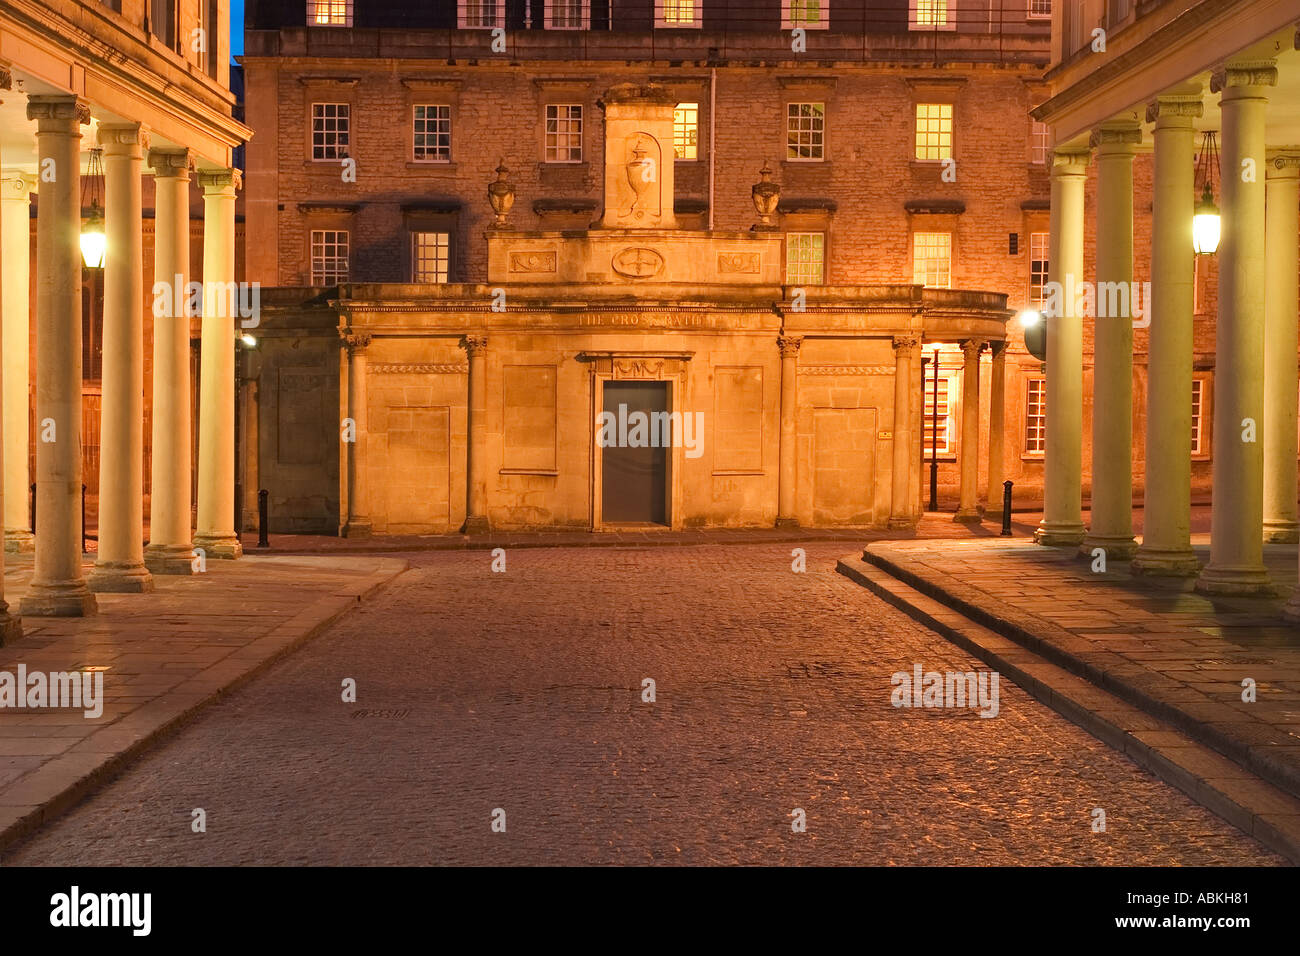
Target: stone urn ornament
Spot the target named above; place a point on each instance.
(766, 195)
(501, 194)
(640, 176)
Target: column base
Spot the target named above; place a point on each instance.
(120, 578)
(58, 599)
(787, 522)
(169, 559)
(1247, 581)
(1280, 531)
(476, 524)
(355, 528)
(220, 547)
(19, 542)
(968, 516)
(1153, 562)
(1117, 548)
(902, 523)
(11, 626)
(1059, 534)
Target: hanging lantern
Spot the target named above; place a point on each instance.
(1206, 224)
(92, 233)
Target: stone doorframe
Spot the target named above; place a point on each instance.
(633, 366)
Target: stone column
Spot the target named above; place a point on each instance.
(171, 549)
(968, 510)
(358, 519)
(906, 347)
(1112, 378)
(15, 237)
(997, 426)
(789, 452)
(119, 565)
(1062, 522)
(476, 521)
(1236, 526)
(216, 513)
(1166, 511)
(58, 587)
(1281, 297)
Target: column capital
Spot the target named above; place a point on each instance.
(171, 162)
(1070, 161)
(217, 181)
(971, 348)
(123, 139)
(998, 347)
(1177, 110)
(1241, 76)
(55, 113)
(474, 345)
(1283, 163)
(1115, 139)
(907, 342)
(17, 185)
(356, 342)
(789, 345)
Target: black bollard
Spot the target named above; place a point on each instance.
(1006, 509)
(33, 507)
(83, 519)
(262, 507)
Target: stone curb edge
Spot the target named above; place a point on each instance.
(598, 540)
(1285, 778)
(181, 704)
(1255, 807)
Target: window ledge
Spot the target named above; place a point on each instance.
(431, 164)
(543, 472)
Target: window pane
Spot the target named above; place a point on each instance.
(805, 130)
(686, 131)
(563, 134)
(432, 256)
(433, 133)
(329, 257)
(932, 259)
(933, 131)
(329, 130)
(805, 258)
(1036, 416)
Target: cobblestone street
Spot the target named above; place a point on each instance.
(523, 691)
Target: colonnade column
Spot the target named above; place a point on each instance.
(15, 237)
(1236, 526)
(1111, 520)
(1166, 510)
(358, 520)
(968, 490)
(1062, 522)
(171, 547)
(215, 534)
(476, 521)
(906, 348)
(997, 425)
(1281, 297)
(789, 346)
(119, 564)
(58, 587)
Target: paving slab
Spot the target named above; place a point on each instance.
(164, 655)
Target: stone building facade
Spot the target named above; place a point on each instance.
(900, 139)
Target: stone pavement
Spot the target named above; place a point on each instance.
(523, 691)
(1179, 656)
(163, 655)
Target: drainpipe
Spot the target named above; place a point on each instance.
(713, 101)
